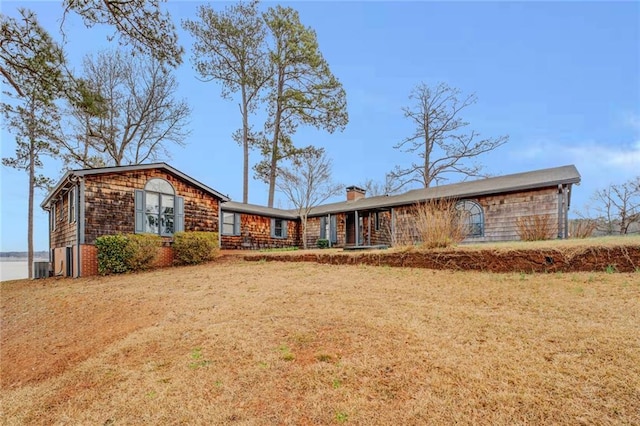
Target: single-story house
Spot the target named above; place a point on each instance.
(157, 198)
(492, 207)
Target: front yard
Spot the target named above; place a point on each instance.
(255, 343)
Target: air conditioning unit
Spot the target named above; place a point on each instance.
(41, 269)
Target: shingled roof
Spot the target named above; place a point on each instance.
(118, 169)
(501, 184)
(232, 206)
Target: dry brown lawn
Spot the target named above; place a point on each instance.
(262, 343)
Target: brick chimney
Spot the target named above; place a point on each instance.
(355, 193)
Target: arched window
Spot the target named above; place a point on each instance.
(158, 210)
(471, 214)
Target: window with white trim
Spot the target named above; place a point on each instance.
(472, 216)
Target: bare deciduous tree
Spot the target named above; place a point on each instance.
(440, 140)
(136, 115)
(374, 188)
(308, 183)
(617, 207)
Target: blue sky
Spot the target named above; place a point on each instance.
(562, 79)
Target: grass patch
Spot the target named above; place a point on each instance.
(321, 344)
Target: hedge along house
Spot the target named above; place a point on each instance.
(492, 206)
(151, 198)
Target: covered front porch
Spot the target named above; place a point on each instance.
(369, 228)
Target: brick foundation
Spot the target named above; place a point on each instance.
(89, 256)
(89, 260)
(165, 257)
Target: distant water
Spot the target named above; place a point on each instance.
(15, 269)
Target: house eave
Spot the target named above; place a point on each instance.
(476, 188)
(246, 208)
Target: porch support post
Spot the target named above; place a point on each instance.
(565, 212)
(560, 211)
(357, 226)
(369, 230)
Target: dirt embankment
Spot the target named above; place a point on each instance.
(622, 258)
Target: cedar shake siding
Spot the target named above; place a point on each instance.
(110, 203)
(256, 232)
(377, 231)
(313, 232)
(64, 229)
(502, 211)
(493, 206)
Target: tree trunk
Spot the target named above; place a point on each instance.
(245, 147)
(304, 232)
(276, 137)
(427, 153)
(32, 182)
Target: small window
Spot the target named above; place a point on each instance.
(471, 214)
(52, 216)
(278, 228)
(377, 221)
(230, 223)
(71, 199)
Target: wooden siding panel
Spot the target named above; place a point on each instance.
(381, 236)
(255, 234)
(502, 211)
(313, 232)
(110, 203)
(65, 233)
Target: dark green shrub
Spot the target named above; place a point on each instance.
(323, 243)
(114, 252)
(126, 252)
(144, 250)
(191, 248)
